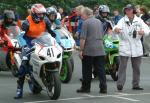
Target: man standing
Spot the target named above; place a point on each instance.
(131, 29)
(92, 51)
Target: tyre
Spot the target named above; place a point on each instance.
(72, 63)
(114, 72)
(34, 87)
(14, 70)
(12, 67)
(54, 86)
(66, 71)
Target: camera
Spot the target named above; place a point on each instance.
(134, 33)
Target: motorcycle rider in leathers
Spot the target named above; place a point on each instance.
(34, 25)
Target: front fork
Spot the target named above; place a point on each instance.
(110, 62)
(12, 58)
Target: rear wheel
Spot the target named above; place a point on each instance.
(53, 85)
(114, 72)
(66, 71)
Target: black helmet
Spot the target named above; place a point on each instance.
(51, 11)
(9, 14)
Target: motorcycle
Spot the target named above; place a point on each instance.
(46, 61)
(67, 42)
(9, 53)
(111, 45)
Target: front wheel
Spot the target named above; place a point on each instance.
(14, 70)
(12, 67)
(114, 72)
(66, 71)
(72, 63)
(54, 86)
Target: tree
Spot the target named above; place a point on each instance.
(21, 5)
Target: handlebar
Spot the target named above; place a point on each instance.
(31, 50)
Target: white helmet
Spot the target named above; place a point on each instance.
(38, 11)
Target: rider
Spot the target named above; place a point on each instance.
(34, 25)
(107, 25)
(104, 18)
(52, 16)
(8, 20)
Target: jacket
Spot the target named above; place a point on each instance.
(130, 46)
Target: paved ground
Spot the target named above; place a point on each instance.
(69, 95)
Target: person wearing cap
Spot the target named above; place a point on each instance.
(130, 30)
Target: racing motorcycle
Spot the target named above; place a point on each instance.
(46, 61)
(111, 45)
(67, 42)
(9, 52)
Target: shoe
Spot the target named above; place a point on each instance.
(19, 94)
(103, 91)
(119, 87)
(81, 90)
(137, 88)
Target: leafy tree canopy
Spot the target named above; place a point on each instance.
(21, 5)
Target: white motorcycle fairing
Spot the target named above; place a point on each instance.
(43, 55)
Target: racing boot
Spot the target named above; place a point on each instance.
(19, 93)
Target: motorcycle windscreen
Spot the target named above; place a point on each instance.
(44, 40)
(66, 39)
(63, 33)
(12, 32)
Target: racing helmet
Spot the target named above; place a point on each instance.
(51, 13)
(104, 9)
(38, 12)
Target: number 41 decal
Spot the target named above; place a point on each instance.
(50, 52)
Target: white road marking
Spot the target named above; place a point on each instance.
(129, 99)
(118, 95)
(123, 94)
(88, 95)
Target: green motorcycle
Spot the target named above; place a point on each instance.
(67, 67)
(64, 38)
(111, 44)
